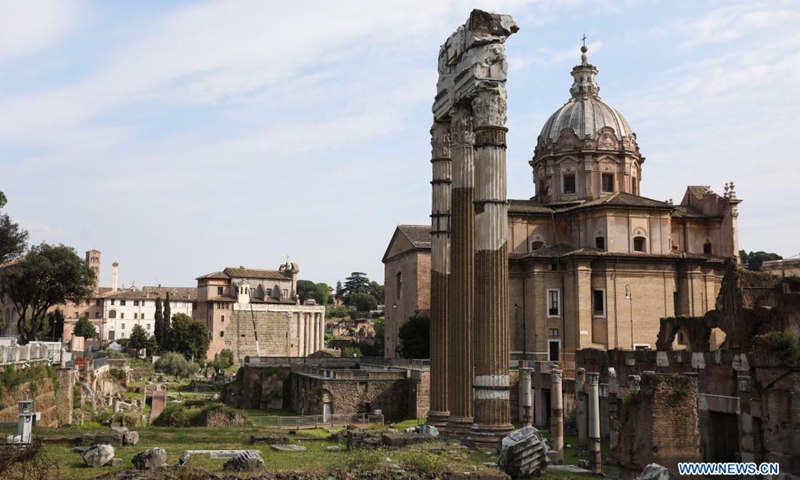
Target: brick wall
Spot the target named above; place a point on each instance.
(350, 396)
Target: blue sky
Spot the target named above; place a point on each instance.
(182, 137)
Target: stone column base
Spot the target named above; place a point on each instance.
(458, 427)
(438, 419)
(487, 437)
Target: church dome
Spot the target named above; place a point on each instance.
(585, 114)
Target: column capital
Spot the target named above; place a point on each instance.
(440, 141)
(634, 382)
(461, 133)
(489, 108)
(556, 376)
(594, 378)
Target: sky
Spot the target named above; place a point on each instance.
(182, 137)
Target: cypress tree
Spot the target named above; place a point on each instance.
(159, 327)
(168, 340)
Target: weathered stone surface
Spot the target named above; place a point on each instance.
(150, 459)
(249, 461)
(523, 452)
(429, 430)
(130, 438)
(116, 462)
(268, 439)
(120, 430)
(655, 471)
(98, 455)
(288, 448)
(405, 439)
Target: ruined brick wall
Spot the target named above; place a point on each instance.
(259, 387)
(660, 424)
(419, 393)
(52, 400)
(350, 396)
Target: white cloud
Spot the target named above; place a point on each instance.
(30, 26)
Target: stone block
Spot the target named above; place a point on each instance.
(116, 462)
(655, 471)
(150, 459)
(249, 461)
(399, 440)
(130, 438)
(523, 453)
(268, 439)
(288, 448)
(98, 455)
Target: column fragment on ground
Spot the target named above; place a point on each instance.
(440, 272)
(491, 382)
(459, 332)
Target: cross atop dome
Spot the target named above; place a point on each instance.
(584, 84)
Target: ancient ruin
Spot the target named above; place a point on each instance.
(471, 99)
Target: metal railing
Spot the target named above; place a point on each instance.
(419, 363)
(317, 421)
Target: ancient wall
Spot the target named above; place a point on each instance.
(350, 396)
(53, 399)
(415, 290)
(259, 387)
(419, 393)
(659, 424)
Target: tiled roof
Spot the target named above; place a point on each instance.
(175, 293)
(242, 272)
(418, 235)
(698, 191)
(687, 211)
(623, 199)
(215, 275)
(527, 206)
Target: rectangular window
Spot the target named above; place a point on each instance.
(222, 318)
(97, 315)
(112, 301)
(141, 315)
(123, 326)
(285, 293)
(122, 303)
(122, 315)
(608, 182)
(220, 290)
(599, 302)
(135, 316)
(554, 347)
(553, 333)
(553, 303)
(144, 304)
(136, 303)
(148, 326)
(221, 334)
(600, 243)
(269, 292)
(638, 244)
(99, 303)
(569, 183)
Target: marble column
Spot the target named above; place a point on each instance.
(613, 406)
(557, 408)
(525, 397)
(440, 272)
(461, 274)
(321, 331)
(595, 464)
(492, 412)
(301, 339)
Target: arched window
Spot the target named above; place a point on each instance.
(707, 248)
(600, 243)
(112, 314)
(399, 285)
(639, 244)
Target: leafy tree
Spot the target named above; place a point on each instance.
(151, 345)
(754, 260)
(322, 293)
(169, 340)
(357, 282)
(363, 302)
(380, 329)
(12, 238)
(190, 336)
(56, 321)
(223, 359)
(377, 291)
(414, 337)
(158, 330)
(175, 364)
(306, 289)
(336, 311)
(84, 328)
(138, 338)
(47, 276)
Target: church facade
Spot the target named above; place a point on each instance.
(592, 262)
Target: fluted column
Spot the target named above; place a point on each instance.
(301, 339)
(594, 423)
(321, 331)
(440, 272)
(580, 402)
(462, 279)
(491, 347)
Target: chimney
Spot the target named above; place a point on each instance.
(114, 276)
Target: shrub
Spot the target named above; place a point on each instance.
(117, 373)
(174, 415)
(175, 364)
(337, 311)
(223, 359)
(782, 344)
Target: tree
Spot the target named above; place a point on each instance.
(339, 289)
(363, 302)
(84, 328)
(380, 328)
(754, 260)
(56, 321)
(151, 345)
(168, 333)
(138, 338)
(47, 276)
(376, 290)
(322, 293)
(173, 363)
(158, 330)
(357, 282)
(306, 289)
(190, 337)
(414, 337)
(12, 238)
(223, 359)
